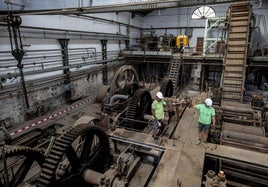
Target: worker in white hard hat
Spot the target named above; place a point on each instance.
(158, 107)
(206, 117)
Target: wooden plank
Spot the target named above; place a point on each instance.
(185, 164)
(234, 68)
(184, 124)
(237, 56)
(238, 35)
(141, 175)
(190, 167)
(233, 75)
(165, 171)
(233, 42)
(239, 29)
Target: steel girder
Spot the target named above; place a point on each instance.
(63, 7)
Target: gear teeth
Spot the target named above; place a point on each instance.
(48, 166)
(52, 161)
(32, 154)
(55, 152)
(46, 174)
(58, 148)
(55, 157)
(137, 98)
(61, 145)
(64, 141)
(67, 138)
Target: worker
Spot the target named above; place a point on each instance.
(158, 107)
(206, 116)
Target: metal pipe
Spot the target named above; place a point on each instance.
(105, 20)
(253, 139)
(92, 177)
(32, 85)
(59, 55)
(36, 50)
(245, 177)
(258, 131)
(249, 168)
(70, 33)
(237, 109)
(59, 68)
(117, 96)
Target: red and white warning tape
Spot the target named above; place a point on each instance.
(50, 117)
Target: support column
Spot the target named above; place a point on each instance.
(65, 58)
(202, 77)
(104, 57)
(65, 61)
(127, 44)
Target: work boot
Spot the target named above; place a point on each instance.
(198, 142)
(205, 144)
(155, 138)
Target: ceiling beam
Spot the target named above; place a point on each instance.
(123, 7)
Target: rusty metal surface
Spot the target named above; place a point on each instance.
(258, 131)
(245, 141)
(236, 108)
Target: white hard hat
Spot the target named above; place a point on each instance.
(159, 95)
(208, 102)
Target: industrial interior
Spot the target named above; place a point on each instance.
(78, 79)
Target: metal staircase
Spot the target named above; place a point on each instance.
(174, 70)
(236, 54)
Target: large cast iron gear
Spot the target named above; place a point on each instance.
(93, 151)
(139, 105)
(125, 81)
(122, 76)
(25, 158)
(167, 88)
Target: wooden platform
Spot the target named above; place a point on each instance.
(182, 161)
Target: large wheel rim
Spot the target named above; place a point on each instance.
(25, 160)
(83, 146)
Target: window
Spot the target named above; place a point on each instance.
(203, 12)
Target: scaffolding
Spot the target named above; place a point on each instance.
(215, 34)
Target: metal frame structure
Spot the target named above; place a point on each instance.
(209, 40)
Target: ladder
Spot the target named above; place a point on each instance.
(174, 70)
(236, 51)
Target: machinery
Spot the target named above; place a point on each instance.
(87, 153)
(168, 42)
(81, 156)
(149, 42)
(182, 41)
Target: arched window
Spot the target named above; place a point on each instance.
(203, 12)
